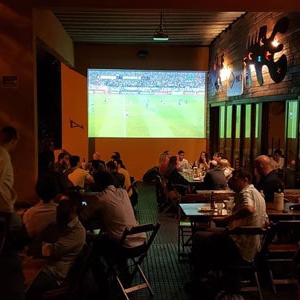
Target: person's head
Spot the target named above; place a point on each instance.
(96, 156)
(163, 158)
(102, 180)
(114, 157)
(97, 165)
(74, 160)
(216, 156)
(119, 163)
(173, 161)
(117, 154)
(223, 163)
(9, 138)
(61, 156)
(240, 179)
(63, 159)
(111, 167)
(181, 155)
(68, 204)
(263, 165)
(47, 188)
(213, 164)
(203, 156)
(277, 155)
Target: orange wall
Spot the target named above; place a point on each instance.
(74, 107)
(18, 104)
(138, 154)
(141, 154)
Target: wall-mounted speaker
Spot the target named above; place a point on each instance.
(143, 53)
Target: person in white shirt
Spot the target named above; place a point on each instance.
(111, 206)
(38, 217)
(78, 176)
(182, 162)
(8, 196)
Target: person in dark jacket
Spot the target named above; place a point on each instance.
(215, 178)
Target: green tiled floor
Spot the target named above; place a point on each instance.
(166, 274)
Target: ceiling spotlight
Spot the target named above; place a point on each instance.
(161, 34)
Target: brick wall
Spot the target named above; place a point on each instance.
(233, 43)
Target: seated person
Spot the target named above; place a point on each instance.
(278, 162)
(115, 157)
(267, 179)
(127, 182)
(96, 163)
(202, 162)
(163, 161)
(111, 208)
(95, 166)
(62, 163)
(278, 159)
(224, 164)
(173, 179)
(182, 162)
(215, 178)
(76, 175)
(119, 179)
(63, 241)
(96, 156)
(38, 217)
(249, 210)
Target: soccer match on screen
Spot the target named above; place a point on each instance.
(146, 104)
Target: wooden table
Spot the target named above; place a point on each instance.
(196, 215)
(193, 183)
(287, 214)
(191, 210)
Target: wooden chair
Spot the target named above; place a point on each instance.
(71, 287)
(135, 257)
(184, 234)
(245, 273)
(135, 193)
(161, 191)
(184, 225)
(281, 252)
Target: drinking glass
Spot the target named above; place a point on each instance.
(229, 205)
(219, 206)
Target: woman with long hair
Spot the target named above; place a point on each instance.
(203, 161)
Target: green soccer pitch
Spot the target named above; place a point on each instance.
(146, 116)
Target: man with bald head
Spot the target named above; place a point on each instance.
(268, 181)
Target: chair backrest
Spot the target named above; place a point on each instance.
(195, 198)
(72, 287)
(203, 196)
(248, 230)
(134, 198)
(294, 207)
(149, 229)
(287, 231)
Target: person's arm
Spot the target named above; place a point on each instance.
(89, 178)
(241, 213)
(64, 244)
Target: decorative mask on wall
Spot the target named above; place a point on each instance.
(261, 50)
(215, 73)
